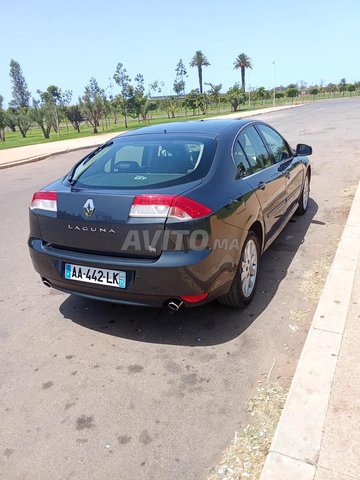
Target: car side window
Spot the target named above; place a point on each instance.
(254, 149)
(276, 143)
(241, 161)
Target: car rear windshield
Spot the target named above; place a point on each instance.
(143, 161)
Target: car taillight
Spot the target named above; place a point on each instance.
(44, 201)
(163, 206)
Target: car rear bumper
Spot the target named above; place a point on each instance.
(149, 282)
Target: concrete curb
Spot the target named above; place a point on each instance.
(92, 144)
(296, 445)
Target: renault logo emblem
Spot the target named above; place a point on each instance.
(89, 207)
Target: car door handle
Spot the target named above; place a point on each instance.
(261, 185)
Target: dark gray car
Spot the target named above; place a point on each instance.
(175, 214)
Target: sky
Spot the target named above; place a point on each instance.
(67, 42)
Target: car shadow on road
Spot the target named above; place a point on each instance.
(211, 324)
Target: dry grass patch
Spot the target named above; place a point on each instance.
(245, 457)
(298, 318)
(349, 191)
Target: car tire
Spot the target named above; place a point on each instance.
(304, 197)
(243, 287)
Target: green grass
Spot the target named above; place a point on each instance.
(35, 136)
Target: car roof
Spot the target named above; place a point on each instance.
(206, 127)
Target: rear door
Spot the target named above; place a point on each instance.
(288, 165)
(266, 179)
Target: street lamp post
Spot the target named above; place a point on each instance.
(274, 84)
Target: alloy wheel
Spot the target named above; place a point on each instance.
(306, 192)
(249, 265)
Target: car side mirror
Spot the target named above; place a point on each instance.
(303, 150)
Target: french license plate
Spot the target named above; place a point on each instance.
(100, 276)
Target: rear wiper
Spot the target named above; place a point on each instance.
(71, 178)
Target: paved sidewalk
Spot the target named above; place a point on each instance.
(318, 436)
(32, 153)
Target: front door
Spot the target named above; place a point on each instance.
(288, 165)
(266, 179)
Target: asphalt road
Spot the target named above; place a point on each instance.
(92, 390)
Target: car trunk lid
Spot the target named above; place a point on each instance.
(99, 223)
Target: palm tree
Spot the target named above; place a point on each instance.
(242, 61)
(199, 60)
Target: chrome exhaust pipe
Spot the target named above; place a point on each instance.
(175, 304)
(46, 282)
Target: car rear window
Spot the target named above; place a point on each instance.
(143, 161)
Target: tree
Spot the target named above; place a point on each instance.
(236, 96)
(3, 120)
(292, 92)
(214, 94)
(73, 113)
(123, 80)
(179, 82)
(331, 88)
(192, 100)
(171, 104)
(262, 93)
(114, 109)
(314, 91)
(64, 102)
(343, 86)
(199, 60)
(10, 120)
(351, 88)
(21, 118)
(92, 103)
(242, 62)
(21, 99)
(156, 87)
(54, 100)
(197, 101)
(150, 107)
(20, 92)
(43, 116)
(303, 86)
(137, 102)
(2, 124)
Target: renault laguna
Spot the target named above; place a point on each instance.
(170, 215)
